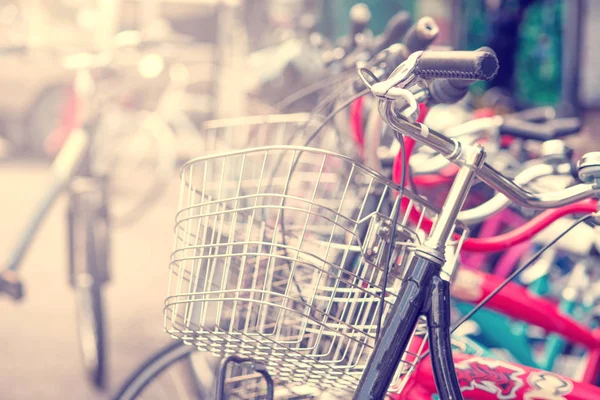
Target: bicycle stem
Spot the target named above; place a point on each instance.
(438, 308)
(474, 160)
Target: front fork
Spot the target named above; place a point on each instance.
(424, 292)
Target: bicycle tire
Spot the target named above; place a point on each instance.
(145, 374)
(150, 372)
(87, 275)
(90, 328)
(112, 151)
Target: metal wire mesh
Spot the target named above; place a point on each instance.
(280, 256)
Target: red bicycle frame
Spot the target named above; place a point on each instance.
(485, 378)
(490, 379)
(517, 302)
(69, 120)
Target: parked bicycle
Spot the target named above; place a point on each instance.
(104, 150)
(318, 270)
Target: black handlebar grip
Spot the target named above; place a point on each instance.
(421, 35)
(394, 31)
(360, 16)
(448, 91)
(473, 65)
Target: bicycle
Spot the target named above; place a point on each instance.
(371, 383)
(390, 95)
(91, 188)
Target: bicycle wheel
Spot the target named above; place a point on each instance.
(171, 373)
(90, 328)
(180, 371)
(137, 152)
(88, 247)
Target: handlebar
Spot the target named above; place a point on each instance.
(451, 149)
(475, 129)
(469, 65)
(395, 29)
(529, 229)
(360, 16)
(422, 34)
(536, 114)
(448, 91)
(499, 202)
(418, 37)
(542, 131)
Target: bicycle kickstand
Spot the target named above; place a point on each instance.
(11, 284)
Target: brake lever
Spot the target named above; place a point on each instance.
(399, 80)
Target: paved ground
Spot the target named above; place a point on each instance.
(39, 357)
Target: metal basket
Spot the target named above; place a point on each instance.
(280, 255)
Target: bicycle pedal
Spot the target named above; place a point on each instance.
(11, 285)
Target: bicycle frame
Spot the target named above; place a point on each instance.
(517, 302)
(495, 327)
(65, 166)
(70, 158)
(508, 302)
(71, 161)
(490, 379)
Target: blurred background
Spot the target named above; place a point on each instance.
(144, 75)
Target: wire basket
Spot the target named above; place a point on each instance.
(280, 255)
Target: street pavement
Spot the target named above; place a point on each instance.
(39, 354)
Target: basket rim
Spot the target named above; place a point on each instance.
(406, 192)
(295, 148)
